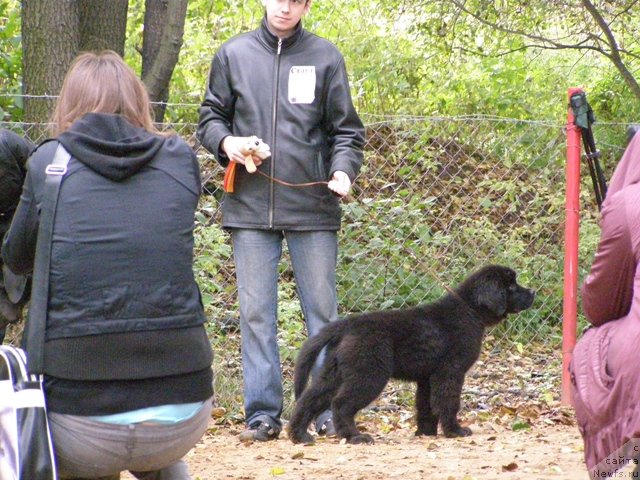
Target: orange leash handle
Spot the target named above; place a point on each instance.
(229, 177)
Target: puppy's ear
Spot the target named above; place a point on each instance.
(492, 295)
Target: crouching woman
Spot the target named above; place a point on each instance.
(127, 361)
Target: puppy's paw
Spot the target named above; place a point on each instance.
(432, 432)
(304, 438)
(458, 432)
(361, 438)
(427, 427)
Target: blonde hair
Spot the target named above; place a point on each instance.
(101, 82)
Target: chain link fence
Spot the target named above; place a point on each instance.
(436, 199)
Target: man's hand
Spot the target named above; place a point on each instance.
(340, 183)
(233, 146)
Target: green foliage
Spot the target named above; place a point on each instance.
(291, 327)
(11, 104)
(520, 424)
(382, 270)
(212, 254)
(612, 101)
(450, 196)
(405, 261)
(417, 58)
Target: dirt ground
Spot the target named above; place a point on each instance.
(510, 401)
(544, 451)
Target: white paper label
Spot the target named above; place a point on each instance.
(302, 84)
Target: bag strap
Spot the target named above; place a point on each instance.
(36, 324)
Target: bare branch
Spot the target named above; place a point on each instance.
(626, 10)
(614, 51)
(521, 33)
(604, 43)
(546, 47)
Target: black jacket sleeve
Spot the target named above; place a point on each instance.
(19, 245)
(346, 131)
(14, 151)
(217, 110)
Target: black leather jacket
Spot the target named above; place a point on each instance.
(294, 94)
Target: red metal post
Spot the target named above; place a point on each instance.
(571, 238)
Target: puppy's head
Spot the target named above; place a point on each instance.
(495, 292)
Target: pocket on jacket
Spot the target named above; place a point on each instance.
(144, 301)
(321, 171)
(592, 384)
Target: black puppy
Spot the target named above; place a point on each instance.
(432, 344)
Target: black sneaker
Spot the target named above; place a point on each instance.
(259, 432)
(327, 429)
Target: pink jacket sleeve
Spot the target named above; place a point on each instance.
(608, 289)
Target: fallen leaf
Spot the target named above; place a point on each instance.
(547, 398)
(218, 412)
(494, 428)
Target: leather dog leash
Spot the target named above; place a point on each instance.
(294, 185)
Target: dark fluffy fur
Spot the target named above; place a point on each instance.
(433, 344)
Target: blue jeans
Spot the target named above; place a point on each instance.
(86, 448)
(257, 254)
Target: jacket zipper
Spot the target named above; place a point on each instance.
(274, 117)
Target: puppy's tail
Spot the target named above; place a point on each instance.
(329, 335)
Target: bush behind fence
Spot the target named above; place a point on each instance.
(436, 199)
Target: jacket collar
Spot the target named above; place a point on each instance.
(271, 40)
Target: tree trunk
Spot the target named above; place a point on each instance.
(53, 32)
(162, 39)
(49, 45)
(103, 25)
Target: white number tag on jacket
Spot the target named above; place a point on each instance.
(302, 84)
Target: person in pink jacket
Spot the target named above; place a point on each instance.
(605, 370)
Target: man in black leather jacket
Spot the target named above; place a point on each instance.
(290, 88)
(14, 151)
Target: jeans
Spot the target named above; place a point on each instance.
(257, 254)
(89, 449)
